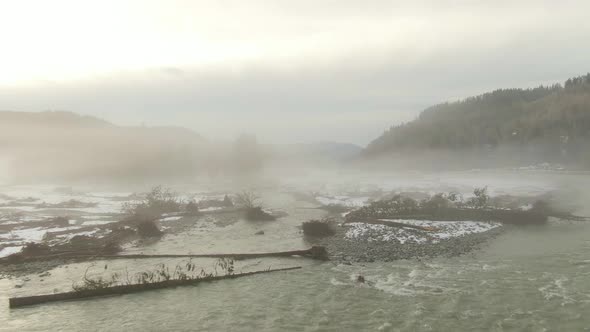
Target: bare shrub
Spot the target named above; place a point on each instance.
(192, 208)
(95, 283)
(480, 200)
(162, 273)
(89, 244)
(254, 211)
(247, 199)
(318, 228)
(436, 202)
(148, 229)
(157, 202)
(258, 214)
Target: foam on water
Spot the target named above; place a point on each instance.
(556, 290)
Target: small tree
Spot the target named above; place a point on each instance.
(254, 211)
(247, 199)
(155, 203)
(436, 202)
(481, 198)
(227, 201)
(454, 197)
(258, 214)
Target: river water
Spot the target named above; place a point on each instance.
(531, 278)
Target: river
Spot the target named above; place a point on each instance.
(529, 278)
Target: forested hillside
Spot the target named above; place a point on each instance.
(556, 118)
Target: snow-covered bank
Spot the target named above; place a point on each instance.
(440, 230)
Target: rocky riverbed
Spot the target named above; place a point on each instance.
(355, 240)
(361, 243)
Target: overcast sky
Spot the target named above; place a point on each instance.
(289, 71)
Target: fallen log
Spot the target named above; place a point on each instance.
(515, 217)
(231, 209)
(569, 216)
(16, 302)
(315, 252)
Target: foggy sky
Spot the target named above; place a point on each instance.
(289, 71)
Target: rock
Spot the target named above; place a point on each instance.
(44, 274)
(259, 233)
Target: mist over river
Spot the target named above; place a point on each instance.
(534, 278)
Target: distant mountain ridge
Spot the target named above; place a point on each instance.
(61, 118)
(56, 144)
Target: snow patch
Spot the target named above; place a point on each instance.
(30, 235)
(343, 200)
(9, 251)
(70, 236)
(171, 218)
(98, 222)
(213, 208)
(442, 230)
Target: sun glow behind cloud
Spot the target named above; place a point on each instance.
(75, 39)
(63, 40)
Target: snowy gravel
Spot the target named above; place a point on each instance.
(442, 230)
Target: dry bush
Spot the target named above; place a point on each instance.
(192, 208)
(148, 229)
(258, 214)
(157, 202)
(247, 199)
(318, 228)
(480, 200)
